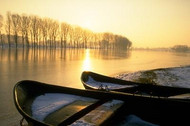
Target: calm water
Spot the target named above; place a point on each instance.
(64, 67)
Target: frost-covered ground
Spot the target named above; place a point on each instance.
(176, 76)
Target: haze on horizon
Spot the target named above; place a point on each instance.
(147, 23)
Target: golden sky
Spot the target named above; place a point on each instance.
(147, 23)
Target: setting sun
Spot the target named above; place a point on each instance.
(87, 24)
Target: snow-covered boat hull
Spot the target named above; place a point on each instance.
(97, 81)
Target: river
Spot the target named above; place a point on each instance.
(64, 67)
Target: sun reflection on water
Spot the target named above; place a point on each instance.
(87, 61)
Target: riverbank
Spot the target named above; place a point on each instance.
(173, 76)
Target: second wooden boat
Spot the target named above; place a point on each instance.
(97, 81)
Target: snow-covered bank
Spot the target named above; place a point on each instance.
(176, 76)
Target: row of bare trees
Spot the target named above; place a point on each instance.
(33, 31)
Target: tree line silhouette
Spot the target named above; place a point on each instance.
(181, 48)
(36, 32)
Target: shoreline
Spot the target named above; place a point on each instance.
(172, 76)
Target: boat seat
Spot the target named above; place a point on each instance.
(65, 112)
(101, 114)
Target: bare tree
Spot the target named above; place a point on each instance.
(44, 28)
(55, 31)
(1, 25)
(24, 29)
(77, 37)
(33, 29)
(50, 32)
(121, 42)
(90, 39)
(71, 34)
(106, 40)
(64, 34)
(38, 31)
(21, 29)
(99, 39)
(15, 27)
(8, 28)
(95, 40)
(85, 37)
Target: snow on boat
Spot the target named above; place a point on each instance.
(49, 105)
(97, 81)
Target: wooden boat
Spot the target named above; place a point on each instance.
(46, 105)
(96, 81)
